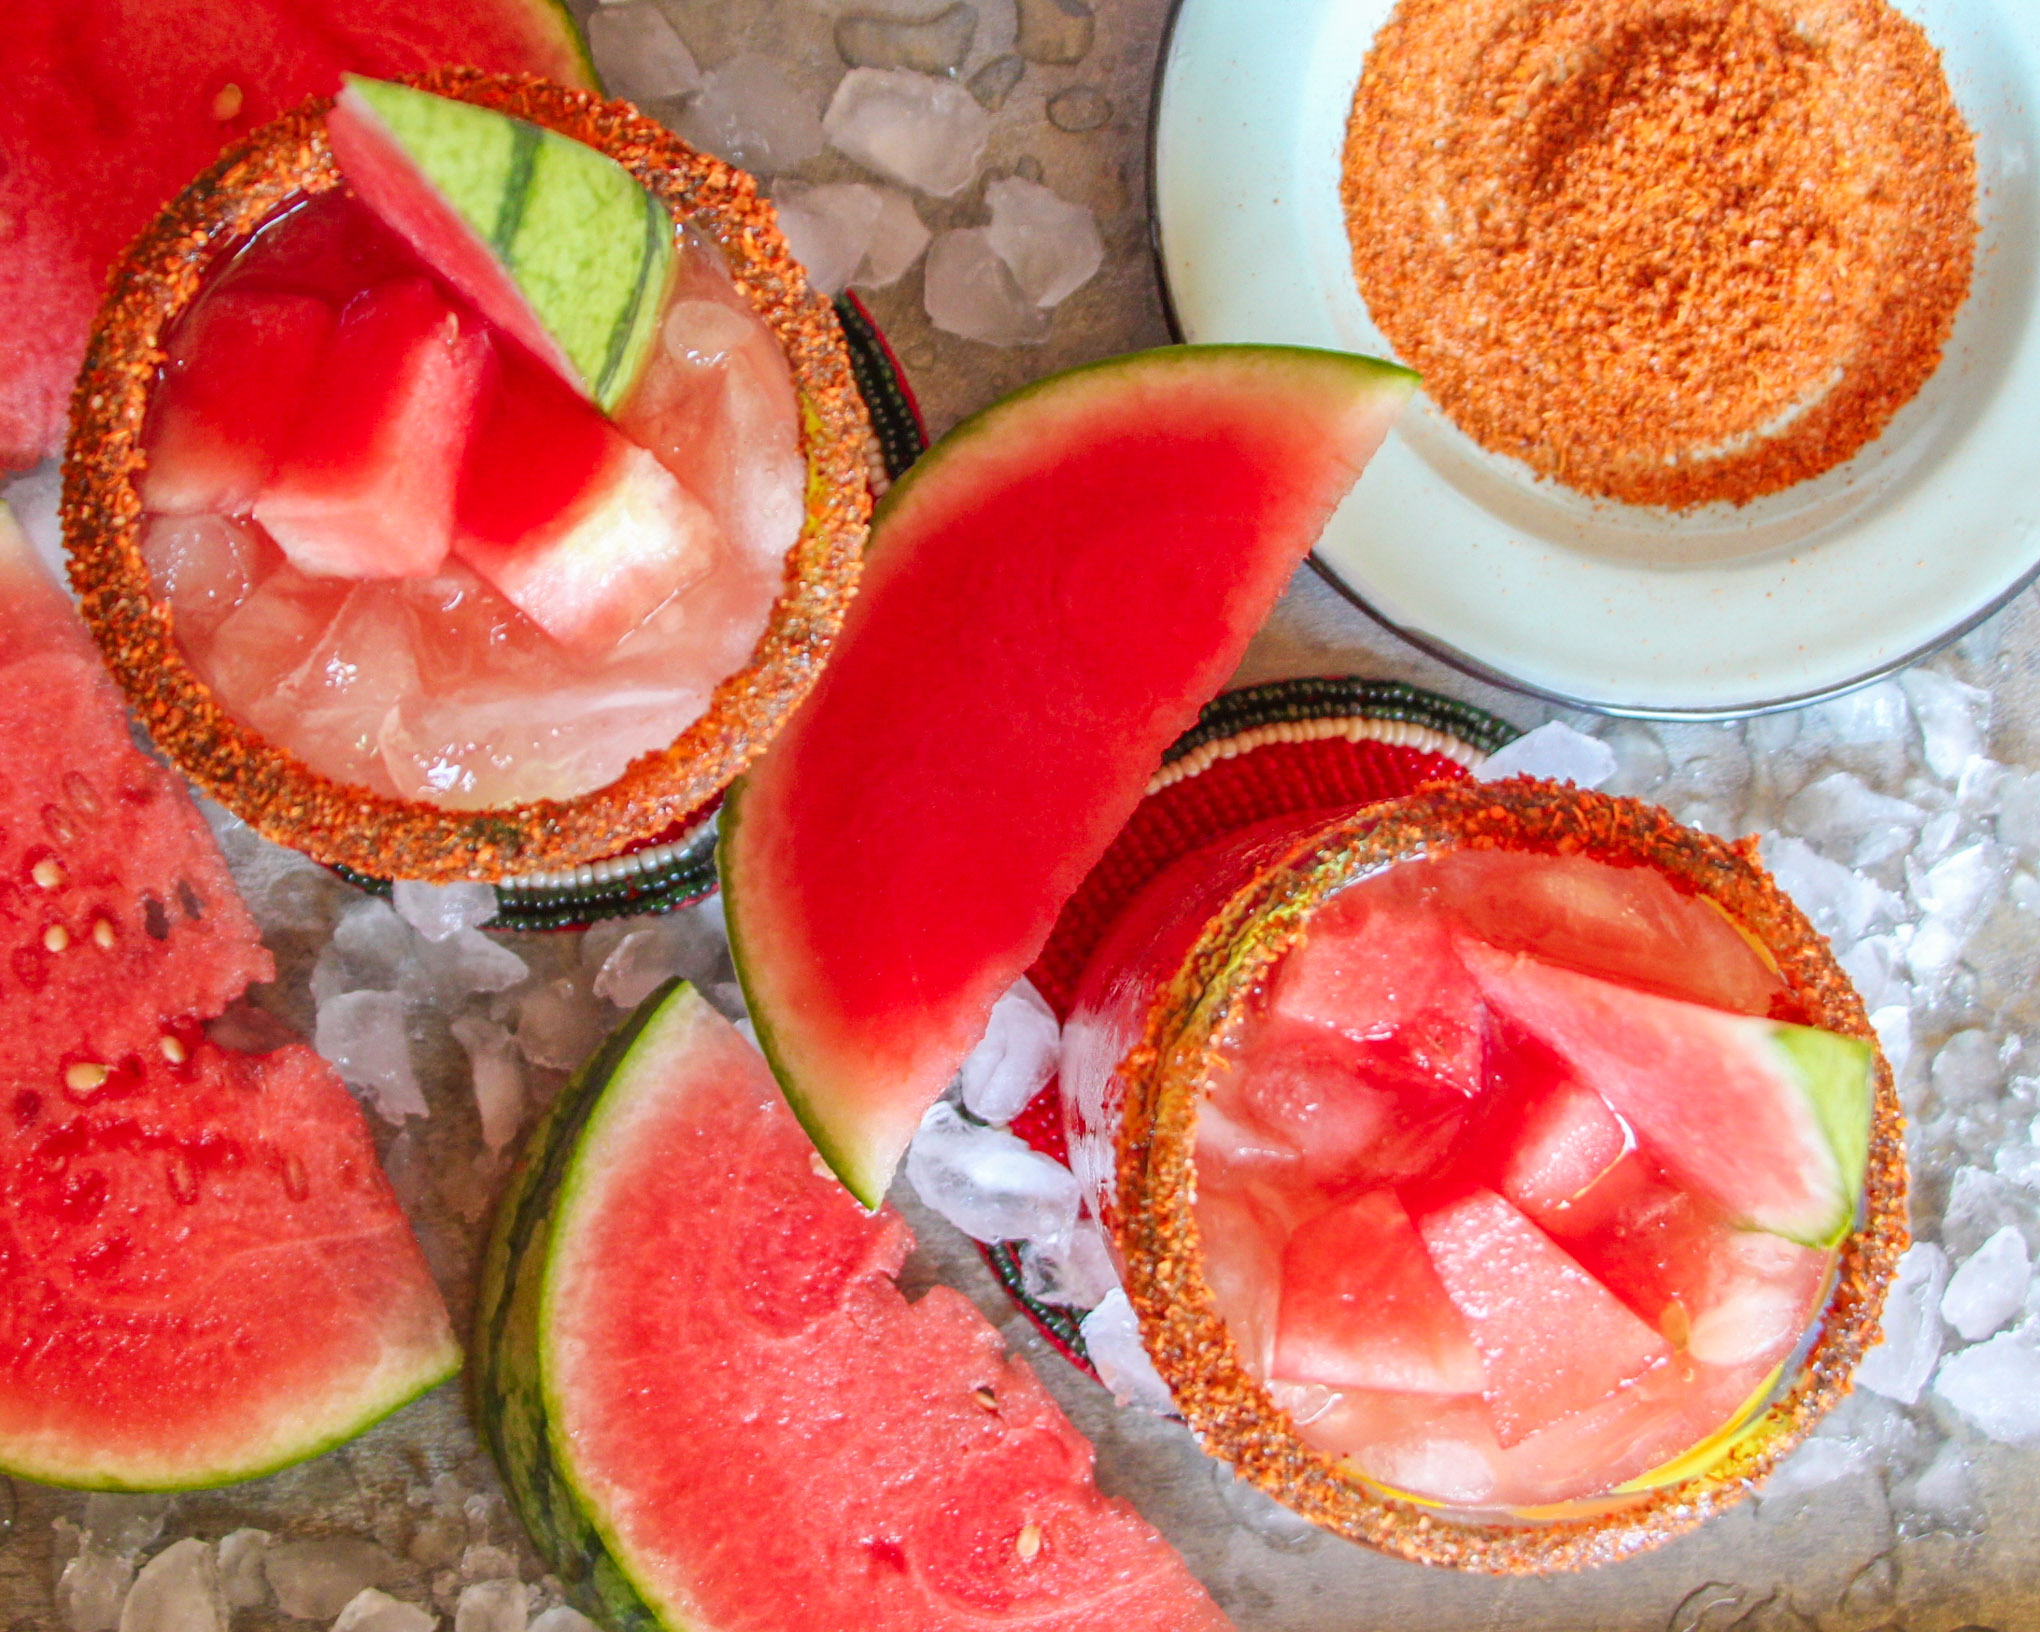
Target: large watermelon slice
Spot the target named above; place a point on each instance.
(107, 110)
(1051, 593)
(715, 1410)
(203, 1274)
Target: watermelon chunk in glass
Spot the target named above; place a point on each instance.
(233, 388)
(582, 530)
(1566, 1140)
(1553, 1339)
(365, 485)
(1362, 1306)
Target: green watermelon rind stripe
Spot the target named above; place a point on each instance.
(1835, 1078)
(516, 191)
(511, 1400)
(630, 337)
(863, 1172)
(442, 1368)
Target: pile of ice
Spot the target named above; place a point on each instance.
(915, 109)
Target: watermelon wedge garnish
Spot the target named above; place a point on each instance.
(1050, 595)
(554, 242)
(1769, 1121)
(715, 1409)
(203, 1273)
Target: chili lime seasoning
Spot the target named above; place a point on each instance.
(1666, 254)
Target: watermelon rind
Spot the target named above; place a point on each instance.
(1836, 1077)
(589, 250)
(507, 1381)
(865, 1149)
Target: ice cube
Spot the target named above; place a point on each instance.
(1900, 1366)
(1554, 751)
(1056, 31)
(1050, 245)
(364, 1037)
(371, 948)
(897, 239)
(1968, 1069)
(124, 1523)
(2018, 817)
(1640, 759)
(1990, 1287)
(996, 81)
(204, 566)
(562, 1618)
(969, 291)
(371, 1610)
(491, 1606)
(1953, 719)
(1842, 903)
(654, 950)
(987, 1183)
(1954, 897)
(1112, 1340)
(1874, 714)
(92, 1588)
(1893, 1025)
(242, 1583)
(1820, 1461)
(1015, 1058)
(440, 911)
(484, 1561)
(1077, 1274)
(1980, 1203)
(639, 54)
(914, 128)
(470, 962)
(176, 1591)
(1874, 966)
(749, 114)
(559, 1023)
(497, 1074)
(1841, 806)
(1996, 1387)
(317, 1578)
(932, 45)
(1941, 1497)
(829, 229)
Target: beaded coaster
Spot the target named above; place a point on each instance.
(678, 868)
(1269, 750)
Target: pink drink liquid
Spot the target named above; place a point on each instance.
(434, 684)
(1451, 1261)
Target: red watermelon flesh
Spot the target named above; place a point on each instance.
(581, 529)
(1363, 1308)
(115, 910)
(106, 111)
(769, 1434)
(1049, 597)
(1553, 1339)
(232, 391)
(365, 485)
(203, 1274)
(1567, 1139)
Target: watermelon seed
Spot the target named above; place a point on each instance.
(154, 919)
(227, 103)
(183, 1181)
(86, 1077)
(47, 873)
(1029, 1543)
(173, 1050)
(102, 934)
(985, 1398)
(56, 938)
(84, 800)
(58, 825)
(1676, 1324)
(190, 900)
(295, 1184)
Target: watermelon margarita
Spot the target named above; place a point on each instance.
(399, 546)
(1515, 1187)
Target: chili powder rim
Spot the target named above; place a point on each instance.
(343, 824)
(1164, 1077)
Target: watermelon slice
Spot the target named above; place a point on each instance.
(232, 392)
(1050, 595)
(365, 486)
(582, 530)
(206, 1276)
(1553, 1339)
(203, 1274)
(715, 1409)
(1771, 1122)
(1363, 1308)
(553, 242)
(106, 111)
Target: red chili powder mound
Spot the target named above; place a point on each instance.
(1664, 253)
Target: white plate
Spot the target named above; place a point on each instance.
(1712, 613)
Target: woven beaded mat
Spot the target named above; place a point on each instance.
(1268, 750)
